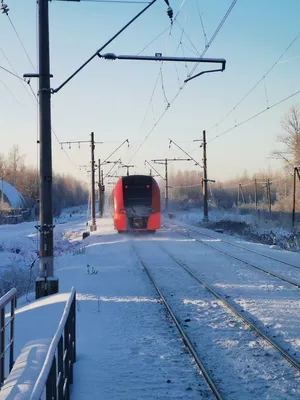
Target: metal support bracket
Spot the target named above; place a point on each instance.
(206, 72)
(45, 229)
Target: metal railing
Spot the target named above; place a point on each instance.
(11, 297)
(56, 375)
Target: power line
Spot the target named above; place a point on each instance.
(254, 116)
(170, 27)
(11, 73)
(14, 70)
(202, 25)
(257, 83)
(153, 40)
(20, 40)
(7, 88)
(182, 87)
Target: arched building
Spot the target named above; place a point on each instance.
(11, 195)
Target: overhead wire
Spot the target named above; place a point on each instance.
(192, 71)
(11, 93)
(258, 82)
(202, 24)
(11, 73)
(14, 70)
(21, 42)
(156, 82)
(169, 28)
(254, 116)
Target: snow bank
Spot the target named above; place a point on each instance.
(246, 225)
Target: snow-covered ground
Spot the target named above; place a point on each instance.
(248, 225)
(127, 346)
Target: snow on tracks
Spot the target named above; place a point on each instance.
(241, 364)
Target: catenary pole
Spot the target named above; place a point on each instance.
(164, 161)
(167, 184)
(294, 197)
(93, 226)
(99, 188)
(102, 193)
(204, 185)
(46, 283)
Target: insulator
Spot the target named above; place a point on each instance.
(170, 12)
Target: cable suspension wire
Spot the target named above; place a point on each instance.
(184, 84)
(254, 116)
(14, 70)
(11, 73)
(251, 183)
(202, 24)
(11, 93)
(185, 34)
(257, 83)
(21, 42)
(156, 82)
(170, 27)
(186, 186)
(153, 40)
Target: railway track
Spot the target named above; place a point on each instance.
(183, 334)
(277, 348)
(249, 263)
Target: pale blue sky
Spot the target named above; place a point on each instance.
(111, 98)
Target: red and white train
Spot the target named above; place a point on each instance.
(135, 204)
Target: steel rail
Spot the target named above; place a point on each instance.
(289, 358)
(245, 248)
(186, 340)
(297, 285)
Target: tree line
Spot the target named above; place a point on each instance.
(263, 189)
(67, 191)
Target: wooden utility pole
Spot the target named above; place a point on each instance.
(255, 193)
(93, 196)
(269, 195)
(294, 198)
(296, 172)
(242, 193)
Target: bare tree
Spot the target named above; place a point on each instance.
(15, 165)
(290, 139)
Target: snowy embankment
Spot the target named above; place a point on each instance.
(247, 226)
(19, 248)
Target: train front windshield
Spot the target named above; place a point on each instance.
(137, 191)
